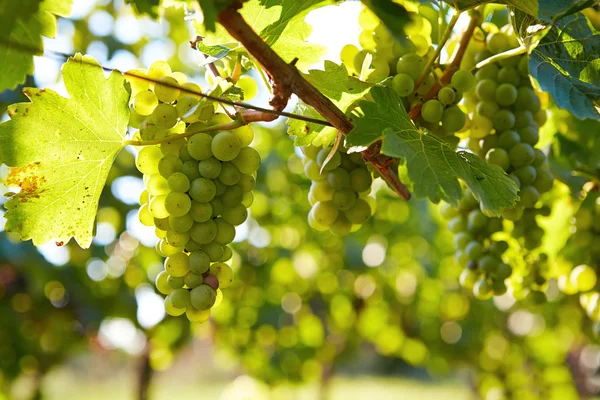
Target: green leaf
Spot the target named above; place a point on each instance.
(212, 53)
(280, 23)
(340, 88)
(145, 7)
(529, 6)
(566, 64)
(434, 166)
(60, 152)
(21, 36)
(393, 15)
(209, 13)
(553, 10)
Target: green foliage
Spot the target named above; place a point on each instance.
(553, 10)
(281, 24)
(340, 88)
(148, 7)
(21, 31)
(393, 15)
(529, 6)
(61, 151)
(433, 165)
(212, 53)
(565, 63)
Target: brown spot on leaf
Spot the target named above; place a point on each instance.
(61, 243)
(27, 179)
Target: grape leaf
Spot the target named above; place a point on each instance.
(393, 15)
(433, 166)
(342, 89)
(60, 152)
(281, 25)
(147, 7)
(529, 6)
(553, 10)
(21, 36)
(212, 53)
(566, 63)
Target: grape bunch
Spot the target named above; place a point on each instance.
(339, 193)
(481, 256)
(198, 188)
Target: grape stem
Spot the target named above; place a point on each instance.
(438, 50)
(415, 111)
(501, 56)
(221, 127)
(286, 77)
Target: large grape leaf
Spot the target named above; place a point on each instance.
(434, 166)
(340, 88)
(566, 63)
(60, 152)
(529, 6)
(281, 25)
(21, 31)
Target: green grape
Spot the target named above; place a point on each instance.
(463, 80)
(497, 42)
(411, 64)
(584, 278)
(524, 119)
(181, 224)
(204, 232)
(347, 55)
(168, 165)
(227, 254)
(333, 163)
(486, 90)
(147, 160)
(529, 135)
(341, 226)
(157, 185)
(453, 119)
(525, 98)
(338, 178)
(200, 212)
(162, 284)
(426, 86)
(344, 199)
(432, 111)
(476, 221)
(360, 180)
(468, 278)
(193, 280)
(225, 146)
(197, 316)
(177, 265)
(185, 104)
(509, 75)
(521, 155)
(191, 246)
(247, 161)
(177, 239)
(544, 180)
(503, 120)
(246, 182)
(446, 95)
(157, 206)
(498, 156)
(483, 290)
(178, 204)
(313, 171)
(508, 139)
(245, 134)
(199, 146)
(457, 224)
(138, 80)
(487, 108)
(167, 89)
(233, 195)
(526, 175)
(506, 94)
(403, 84)
(214, 250)
(175, 282)
(487, 72)
(217, 206)
(474, 250)
(162, 223)
(321, 191)
(145, 102)
(225, 231)
(359, 213)
(202, 297)
(164, 116)
(248, 86)
(180, 298)
(224, 274)
(461, 240)
(158, 69)
(513, 214)
(324, 212)
(178, 182)
(199, 262)
(171, 310)
(230, 174)
(190, 169)
(152, 132)
(145, 216)
(235, 215)
(529, 196)
(480, 126)
(209, 168)
(314, 225)
(202, 190)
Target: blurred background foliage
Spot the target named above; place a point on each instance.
(309, 315)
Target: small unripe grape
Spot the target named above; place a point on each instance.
(453, 119)
(325, 213)
(521, 154)
(403, 84)
(432, 111)
(498, 156)
(463, 80)
(162, 284)
(584, 278)
(177, 265)
(202, 297)
(225, 146)
(411, 64)
(167, 89)
(446, 95)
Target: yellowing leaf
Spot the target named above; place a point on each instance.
(60, 152)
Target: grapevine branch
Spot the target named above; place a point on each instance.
(415, 111)
(287, 79)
